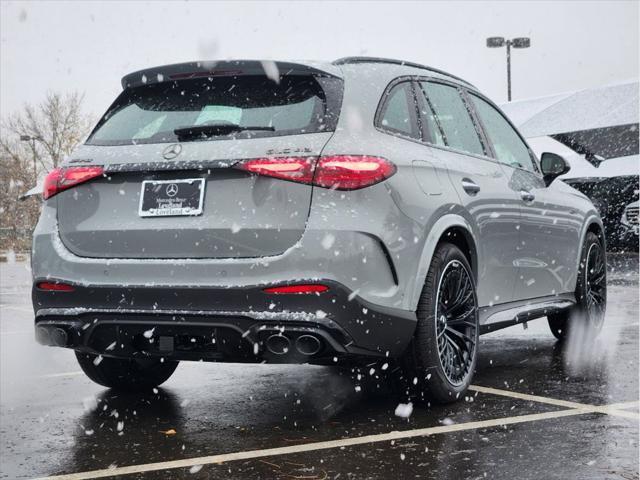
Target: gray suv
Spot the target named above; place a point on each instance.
(329, 213)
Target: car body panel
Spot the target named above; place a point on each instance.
(494, 213)
(372, 247)
(244, 215)
(550, 230)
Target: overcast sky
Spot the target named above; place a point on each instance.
(89, 46)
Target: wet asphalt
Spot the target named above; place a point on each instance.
(54, 421)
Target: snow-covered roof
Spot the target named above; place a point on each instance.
(608, 106)
(188, 70)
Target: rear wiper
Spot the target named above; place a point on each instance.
(218, 129)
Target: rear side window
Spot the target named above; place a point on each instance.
(507, 144)
(453, 117)
(150, 114)
(398, 112)
(432, 129)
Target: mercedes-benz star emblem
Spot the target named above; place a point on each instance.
(172, 151)
(172, 190)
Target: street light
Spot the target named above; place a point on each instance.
(29, 138)
(520, 42)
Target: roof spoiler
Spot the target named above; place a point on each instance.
(225, 68)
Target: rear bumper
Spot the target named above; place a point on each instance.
(220, 324)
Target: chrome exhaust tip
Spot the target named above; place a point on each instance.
(52, 336)
(42, 336)
(308, 345)
(59, 337)
(278, 344)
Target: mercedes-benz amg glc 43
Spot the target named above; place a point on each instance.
(329, 213)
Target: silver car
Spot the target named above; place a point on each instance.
(365, 210)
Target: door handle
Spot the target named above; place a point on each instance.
(469, 186)
(527, 196)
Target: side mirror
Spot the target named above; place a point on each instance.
(553, 166)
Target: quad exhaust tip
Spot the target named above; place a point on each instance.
(307, 345)
(52, 336)
(278, 344)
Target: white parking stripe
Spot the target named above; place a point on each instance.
(613, 409)
(308, 447)
(17, 332)
(56, 375)
(525, 396)
(619, 413)
(623, 405)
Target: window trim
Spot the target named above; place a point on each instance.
(423, 103)
(534, 159)
(464, 91)
(486, 148)
(415, 115)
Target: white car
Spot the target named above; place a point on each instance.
(629, 221)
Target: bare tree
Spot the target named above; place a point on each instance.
(32, 142)
(18, 218)
(54, 126)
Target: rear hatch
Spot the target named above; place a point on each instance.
(170, 149)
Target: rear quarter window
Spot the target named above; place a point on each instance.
(398, 113)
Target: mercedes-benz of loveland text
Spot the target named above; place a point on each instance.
(327, 213)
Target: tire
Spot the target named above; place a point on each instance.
(441, 359)
(125, 374)
(591, 287)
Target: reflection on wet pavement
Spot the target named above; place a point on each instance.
(56, 421)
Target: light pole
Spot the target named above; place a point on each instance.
(29, 138)
(520, 42)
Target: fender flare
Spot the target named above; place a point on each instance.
(592, 217)
(433, 238)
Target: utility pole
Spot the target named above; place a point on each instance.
(520, 42)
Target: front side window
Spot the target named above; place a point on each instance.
(398, 112)
(453, 117)
(507, 144)
(218, 107)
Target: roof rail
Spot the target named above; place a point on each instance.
(392, 61)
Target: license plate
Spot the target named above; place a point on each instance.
(170, 198)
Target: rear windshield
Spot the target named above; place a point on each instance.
(298, 104)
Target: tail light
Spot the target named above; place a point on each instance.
(55, 286)
(296, 289)
(296, 169)
(351, 172)
(61, 179)
(340, 172)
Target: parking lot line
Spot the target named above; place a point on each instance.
(525, 396)
(64, 374)
(314, 446)
(613, 409)
(618, 413)
(624, 405)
